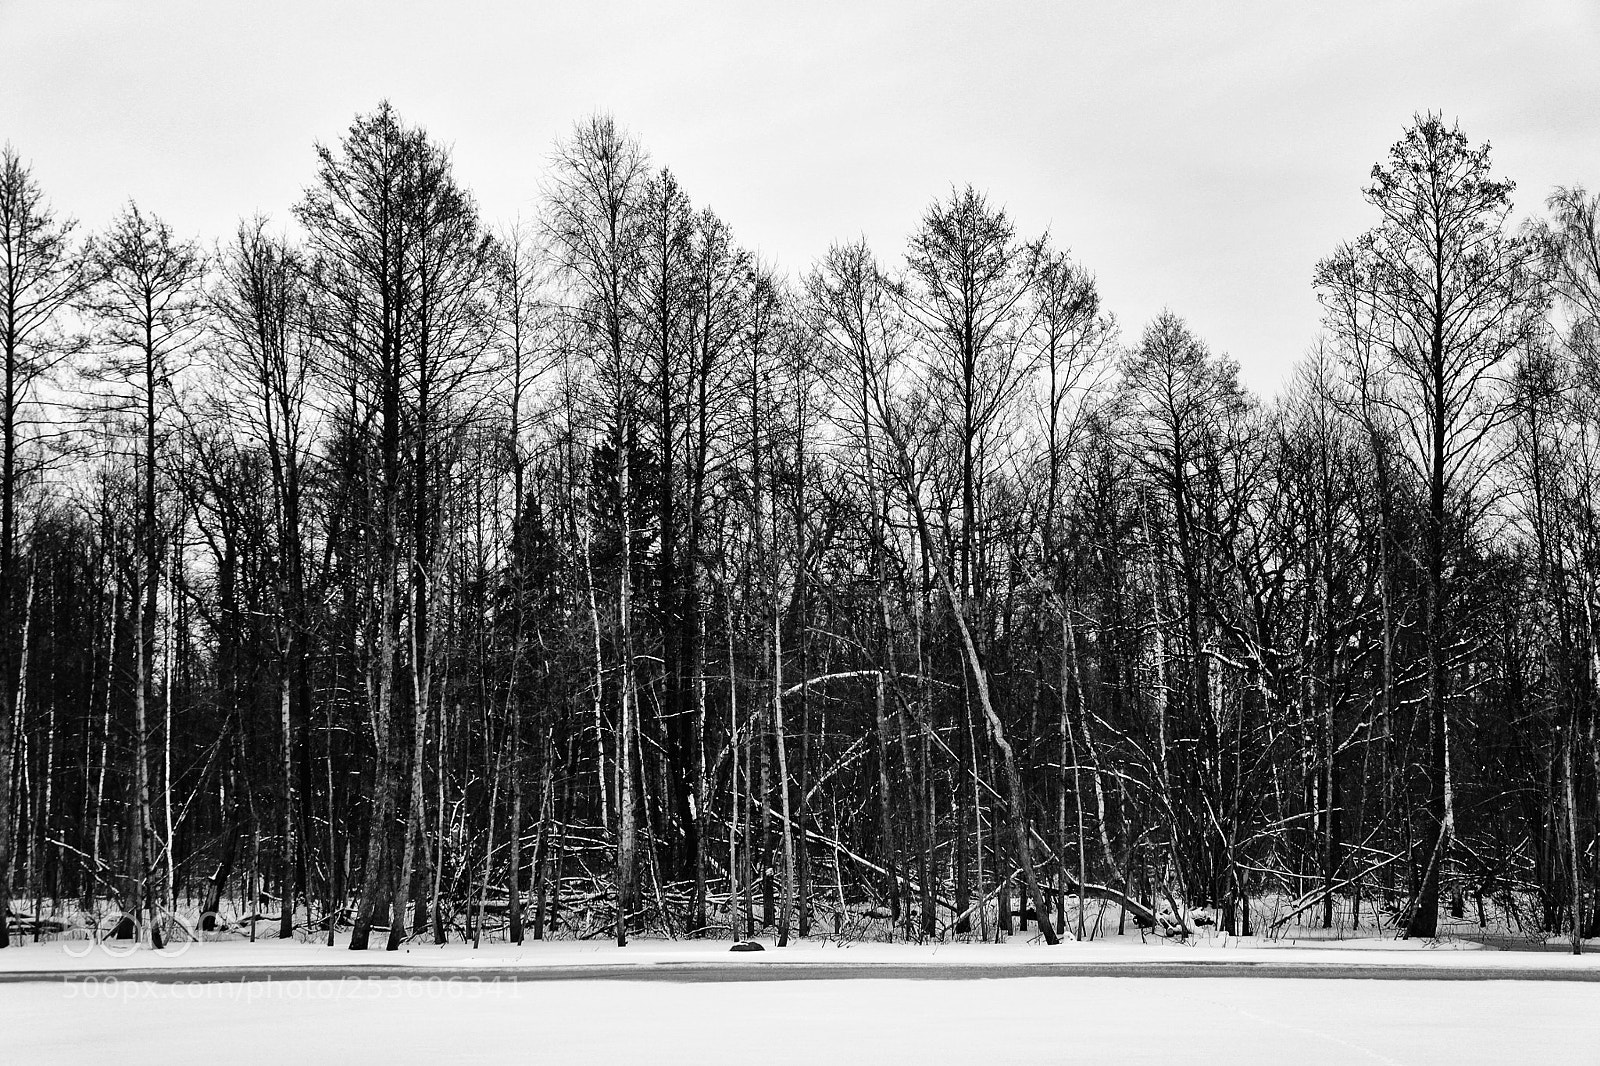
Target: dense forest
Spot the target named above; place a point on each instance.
(381, 569)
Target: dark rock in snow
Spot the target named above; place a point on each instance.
(747, 945)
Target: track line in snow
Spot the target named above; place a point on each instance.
(724, 972)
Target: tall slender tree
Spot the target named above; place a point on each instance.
(149, 304)
(42, 272)
(1448, 293)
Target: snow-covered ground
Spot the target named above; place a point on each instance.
(463, 1007)
(1033, 1020)
(79, 954)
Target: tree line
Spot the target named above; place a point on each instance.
(391, 571)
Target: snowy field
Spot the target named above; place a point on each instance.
(1034, 1020)
(657, 1002)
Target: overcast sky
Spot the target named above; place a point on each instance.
(1195, 156)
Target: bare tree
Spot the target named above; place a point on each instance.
(148, 301)
(400, 267)
(968, 294)
(1448, 295)
(261, 314)
(521, 322)
(596, 208)
(42, 271)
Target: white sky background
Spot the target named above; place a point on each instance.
(1194, 156)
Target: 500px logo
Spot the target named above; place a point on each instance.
(119, 934)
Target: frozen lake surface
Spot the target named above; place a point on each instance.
(271, 1003)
